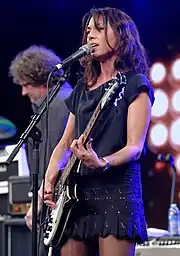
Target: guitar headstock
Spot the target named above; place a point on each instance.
(113, 86)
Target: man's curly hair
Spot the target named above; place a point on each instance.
(33, 66)
(131, 53)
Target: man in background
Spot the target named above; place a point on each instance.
(30, 69)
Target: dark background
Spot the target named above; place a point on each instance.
(56, 24)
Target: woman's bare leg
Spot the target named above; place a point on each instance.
(112, 246)
(77, 248)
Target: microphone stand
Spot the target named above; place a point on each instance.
(173, 186)
(34, 132)
(169, 159)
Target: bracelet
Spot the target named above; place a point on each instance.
(107, 163)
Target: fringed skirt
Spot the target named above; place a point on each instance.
(100, 212)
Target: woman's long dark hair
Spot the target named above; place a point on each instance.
(132, 55)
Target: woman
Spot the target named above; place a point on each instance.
(110, 211)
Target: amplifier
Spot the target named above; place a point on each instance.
(3, 197)
(14, 195)
(171, 241)
(18, 167)
(157, 251)
(163, 246)
(19, 195)
(8, 170)
(5, 172)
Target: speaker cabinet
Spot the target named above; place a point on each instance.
(18, 238)
(2, 236)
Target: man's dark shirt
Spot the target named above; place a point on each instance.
(57, 119)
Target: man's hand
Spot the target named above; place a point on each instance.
(29, 214)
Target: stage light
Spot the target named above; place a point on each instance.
(176, 101)
(158, 135)
(175, 133)
(176, 69)
(161, 103)
(157, 72)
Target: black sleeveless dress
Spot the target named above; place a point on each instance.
(111, 201)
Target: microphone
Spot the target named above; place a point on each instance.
(82, 51)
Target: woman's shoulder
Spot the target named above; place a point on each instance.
(137, 83)
(136, 77)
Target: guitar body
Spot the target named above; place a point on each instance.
(58, 217)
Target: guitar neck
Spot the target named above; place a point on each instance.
(86, 133)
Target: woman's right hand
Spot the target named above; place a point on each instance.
(48, 193)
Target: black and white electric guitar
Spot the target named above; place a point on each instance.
(65, 196)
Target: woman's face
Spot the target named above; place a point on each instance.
(97, 38)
